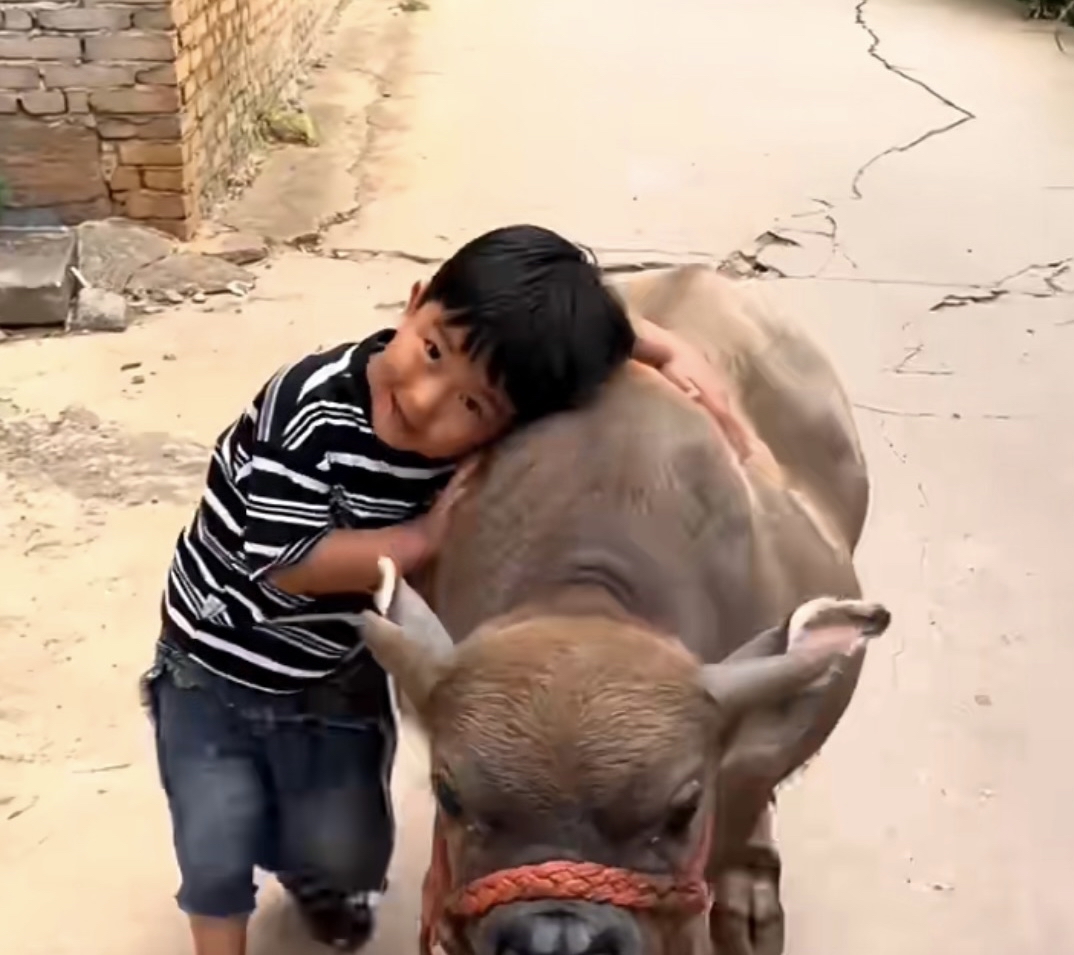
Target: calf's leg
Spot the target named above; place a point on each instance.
(747, 914)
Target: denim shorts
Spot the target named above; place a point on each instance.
(289, 784)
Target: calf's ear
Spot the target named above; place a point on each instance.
(407, 639)
(777, 711)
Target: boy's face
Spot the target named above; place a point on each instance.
(429, 396)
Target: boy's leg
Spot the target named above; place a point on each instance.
(333, 786)
(219, 807)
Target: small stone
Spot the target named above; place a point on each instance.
(172, 296)
(130, 366)
(98, 310)
(238, 289)
(138, 380)
(290, 126)
(168, 356)
(199, 298)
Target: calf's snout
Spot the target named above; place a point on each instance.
(560, 928)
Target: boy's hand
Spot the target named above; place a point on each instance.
(687, 369)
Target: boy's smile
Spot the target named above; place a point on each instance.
(429, 396)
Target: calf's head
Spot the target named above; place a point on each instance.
(582, 766)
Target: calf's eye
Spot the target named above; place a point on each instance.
(679, 819)
(447, 799)
(683, 810)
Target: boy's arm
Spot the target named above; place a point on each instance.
(289, 538)
(345, 561)
(655, 346)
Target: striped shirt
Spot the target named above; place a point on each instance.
(301, 461)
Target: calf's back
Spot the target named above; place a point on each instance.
(640, 494)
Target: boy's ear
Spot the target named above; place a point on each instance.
(417, 292)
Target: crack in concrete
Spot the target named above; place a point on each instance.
(367, 255)
(832, 236)
(951, 415)
(962, 299)
(311, 245)
(964, 117)
(1052, 271)
(1048, 273)
(747, 262)
(902, 367)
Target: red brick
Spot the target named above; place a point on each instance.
(18, 20)
(159, 47)
(87, 76)
(154, 19)
(19, 78)
(163, 75)
(77, 101)
(166, 180)
(159, 99)
(142, 153)
(143, 204)
(130, 127)
(125, 178)
(190, 34)
(40, 48)
(43, 102)
(75, 19)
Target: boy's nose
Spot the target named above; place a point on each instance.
(422, 399)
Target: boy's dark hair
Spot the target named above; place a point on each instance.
(534, 306)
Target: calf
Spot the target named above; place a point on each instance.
(645, 655)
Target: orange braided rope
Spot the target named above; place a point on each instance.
(584, 881)
(577, 880)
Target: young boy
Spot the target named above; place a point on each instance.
(275, 741)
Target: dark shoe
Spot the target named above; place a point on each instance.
(344, 923)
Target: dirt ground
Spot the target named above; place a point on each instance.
(903, 173)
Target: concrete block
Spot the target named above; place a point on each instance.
(36, 284)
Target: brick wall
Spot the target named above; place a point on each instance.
(237, 58)
(139, 107)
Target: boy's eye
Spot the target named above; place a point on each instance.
(432, 350)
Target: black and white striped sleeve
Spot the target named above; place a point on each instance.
(286, 488)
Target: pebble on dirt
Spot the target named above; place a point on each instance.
(98, 310)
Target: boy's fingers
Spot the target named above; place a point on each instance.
(719, 409)
(684, 383)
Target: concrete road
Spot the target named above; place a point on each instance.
(903, 173)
